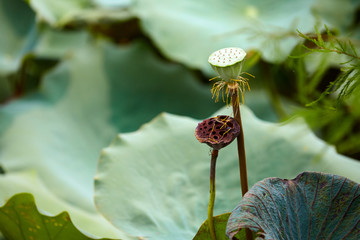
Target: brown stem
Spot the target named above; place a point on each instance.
(240, 139)
(234, 89)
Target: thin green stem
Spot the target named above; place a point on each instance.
(214, 155)
(240, 145)
(339, 52)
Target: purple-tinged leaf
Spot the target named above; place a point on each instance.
(311, 206)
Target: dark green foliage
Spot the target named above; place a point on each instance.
(329, 94)
(20, 219)
(349, 79)
(28, 77)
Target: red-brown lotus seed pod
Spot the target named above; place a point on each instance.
(217, 132)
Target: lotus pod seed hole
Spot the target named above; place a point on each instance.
(216, 131)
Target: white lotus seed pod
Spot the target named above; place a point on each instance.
(227, 62)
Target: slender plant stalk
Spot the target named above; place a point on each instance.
(240, 139)
(214, 155)
(227, 62)
(235, 100)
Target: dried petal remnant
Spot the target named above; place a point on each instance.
(217, 132)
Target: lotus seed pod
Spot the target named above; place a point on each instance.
(217, 132)
(227, 62)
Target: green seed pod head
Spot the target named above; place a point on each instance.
(227, 62)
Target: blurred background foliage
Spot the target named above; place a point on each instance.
(67, 67)
(319, 82)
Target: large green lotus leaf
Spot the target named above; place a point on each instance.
(18, 34)
(55, 12)
(49, 203)
(20, 219)
(98, 91)
(51, 47)
(55, 44)
(112, 3)
(338, 14)
(188, 31)
(60, 13)
(311, 206)
(155, 182)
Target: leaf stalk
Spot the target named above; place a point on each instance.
(234, 89)
(214, 155)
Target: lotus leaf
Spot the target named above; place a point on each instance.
(18, 34)
(17, 183)
(99, 90)
(311, 206)
(20, 219)
(268, 26)
(158, 176)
